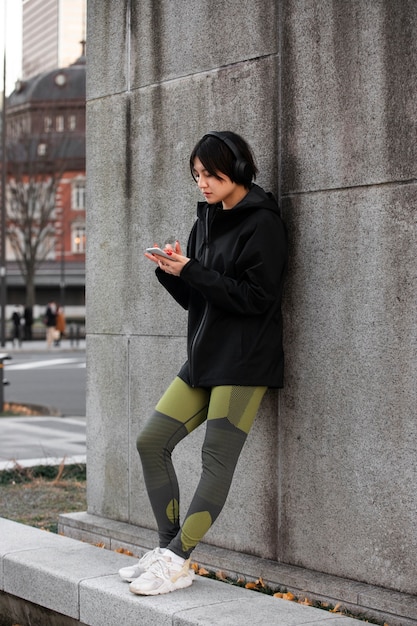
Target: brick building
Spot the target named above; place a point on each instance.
(46, 157)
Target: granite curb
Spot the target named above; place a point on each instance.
(80, 581)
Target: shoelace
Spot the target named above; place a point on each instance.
(148, 558)
(161, 568)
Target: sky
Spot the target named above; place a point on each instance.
(12, 27)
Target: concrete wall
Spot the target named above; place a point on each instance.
(348, 430)
(325, 93)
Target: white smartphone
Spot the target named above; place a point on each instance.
(158, 251)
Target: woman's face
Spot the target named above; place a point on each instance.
(215, 189)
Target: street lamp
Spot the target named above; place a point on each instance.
(62, 282)
(60, 232)
(3, 293)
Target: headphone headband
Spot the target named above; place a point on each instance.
(242, 170)
(227, 141)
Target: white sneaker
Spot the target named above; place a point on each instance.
(164, 575)
(134, 571)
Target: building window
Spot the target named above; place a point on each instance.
(78, 195)
(60, 123)
(72, 122)
(78, 238)
(47, 122)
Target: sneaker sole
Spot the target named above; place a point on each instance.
(166, 587)
(130, 579)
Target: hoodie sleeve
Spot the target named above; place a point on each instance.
(259, 269)
(175, 286)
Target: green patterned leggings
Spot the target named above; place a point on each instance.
(230, 412)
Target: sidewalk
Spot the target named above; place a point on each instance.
(40, 346)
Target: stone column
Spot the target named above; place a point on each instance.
(160, 75)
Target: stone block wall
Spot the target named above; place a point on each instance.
(348, 429)
(325, 93)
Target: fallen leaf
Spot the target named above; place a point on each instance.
(336, 608)
(221, 575)
(124, 551)
(306, 602)
(203, 572)
(250, 585)
(194, 566)
(278, 594)
(289, 596)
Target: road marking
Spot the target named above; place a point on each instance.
(37, 364)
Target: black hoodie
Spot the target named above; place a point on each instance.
(232, 288)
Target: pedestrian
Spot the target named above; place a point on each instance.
(17, 332)
(230, 280)
(59, 325)
(50, 323)
(28, 315)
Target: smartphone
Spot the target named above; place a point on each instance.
(158, 251)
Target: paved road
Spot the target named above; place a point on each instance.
(55, 378)
(32, 441)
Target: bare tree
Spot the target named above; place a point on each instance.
(35, 169)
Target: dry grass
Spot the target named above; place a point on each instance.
(36, 496)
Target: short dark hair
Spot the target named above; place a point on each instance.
(216, 156)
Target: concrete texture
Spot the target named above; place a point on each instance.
(79, 581)
(349, 429)
(348, 78)
(349, 197)
(325, 93)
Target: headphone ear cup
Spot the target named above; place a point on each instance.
(241, 169)
(243, 173)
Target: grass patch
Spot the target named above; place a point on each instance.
(36, 496)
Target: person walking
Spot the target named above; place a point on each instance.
(50, 323)
(17, 331)
(28, 315)
(59, 325)
(230, 279)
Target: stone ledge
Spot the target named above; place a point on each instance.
(397, 609)
(78, 584)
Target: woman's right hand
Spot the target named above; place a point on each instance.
(153, 257)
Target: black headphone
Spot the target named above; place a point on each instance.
(242, 171)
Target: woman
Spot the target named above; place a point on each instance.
(50, 321)
(230, 280)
